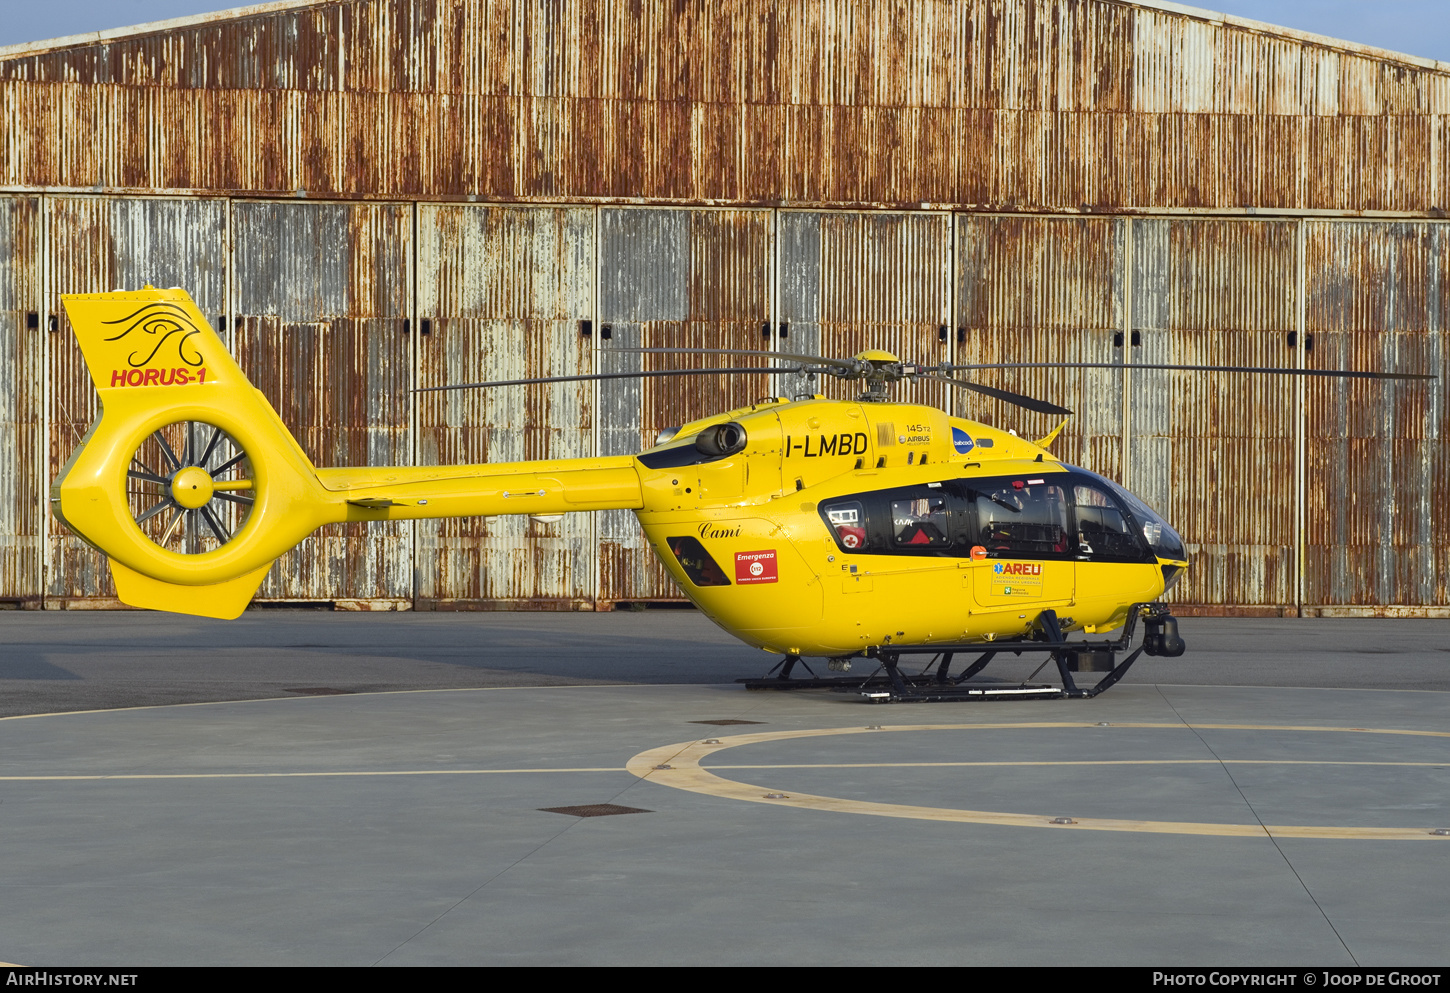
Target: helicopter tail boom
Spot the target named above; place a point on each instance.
(560, 486)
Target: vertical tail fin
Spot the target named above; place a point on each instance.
(192, 485)
(188, 480)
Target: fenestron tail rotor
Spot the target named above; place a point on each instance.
(190, 487)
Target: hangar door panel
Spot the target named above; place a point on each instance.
(853, 281)
(24, 483)
(1214, 452)
(1046, 289)
(99, 244)
(322, 329)
(672, 279)
(1377, 481)
(504, 292)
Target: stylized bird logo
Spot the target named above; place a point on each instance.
(164, 322)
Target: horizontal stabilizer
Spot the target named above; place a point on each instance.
(221, 600)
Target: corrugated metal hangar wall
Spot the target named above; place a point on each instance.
(372, 196)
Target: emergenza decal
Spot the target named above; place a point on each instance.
(844, 443)
(962, 441)
(1018, 568)
(157, 325)
(755, 567)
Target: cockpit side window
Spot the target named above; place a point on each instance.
(1104, 532)
(1162, 541)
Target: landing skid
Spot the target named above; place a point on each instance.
(888, 684)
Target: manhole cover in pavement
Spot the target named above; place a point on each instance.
(595, 810)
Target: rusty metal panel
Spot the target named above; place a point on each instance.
(98, 244)
(504, 291)
(1009, 104)
(288, 49)
(1369, 162)
(1217, 160)
(1440, 161)
(23, 484)
(1224, 115)
(158, 138)
(672, 279)
(1215, 453)
(323, 304)
(1036, 289)
(1377, 468)
(851, 281)
(1174, 62)
(30, 116)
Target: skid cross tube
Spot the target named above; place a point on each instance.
(888, 684)
(1049, 638)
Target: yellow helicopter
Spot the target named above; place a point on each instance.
(807, 528)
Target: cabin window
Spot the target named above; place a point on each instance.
(1022, 516)
(1058, 515)
(920, 522)
(848, 523)
(903, 520)
(701, 569)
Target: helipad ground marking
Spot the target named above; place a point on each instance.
(677, 765)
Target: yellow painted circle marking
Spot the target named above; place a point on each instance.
(682, 770)
(191, 487)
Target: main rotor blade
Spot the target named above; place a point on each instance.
(645, 374)
(1267, 370)
(848, 364)
(1017, 399)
